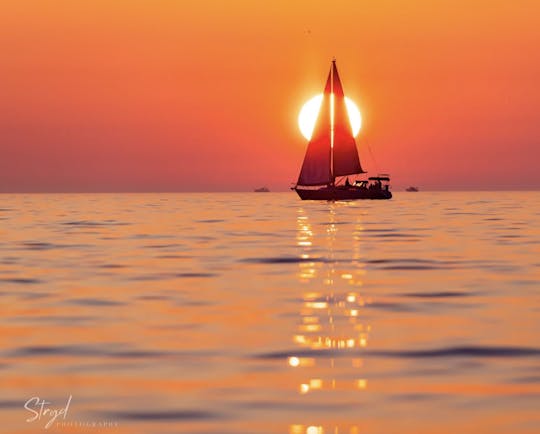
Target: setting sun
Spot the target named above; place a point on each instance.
(310, 110)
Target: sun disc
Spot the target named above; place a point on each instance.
(310, 110)
(355, 118)
(308, 115)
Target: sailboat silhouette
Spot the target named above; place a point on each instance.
(332, 153)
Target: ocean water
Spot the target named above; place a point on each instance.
(260, 313)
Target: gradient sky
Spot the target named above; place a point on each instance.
(203, 95)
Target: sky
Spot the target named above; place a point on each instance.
(127, 95)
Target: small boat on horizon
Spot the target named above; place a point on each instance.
(411, 188)
(331, 156)
(262, 190)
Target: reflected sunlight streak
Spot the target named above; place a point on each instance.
(321, 325)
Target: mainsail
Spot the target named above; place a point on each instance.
(323, 162)
(316, 166)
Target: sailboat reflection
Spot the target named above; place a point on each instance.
(331, 317)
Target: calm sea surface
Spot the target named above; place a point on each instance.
(260, 313)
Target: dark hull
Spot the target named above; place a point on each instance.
(343, 193)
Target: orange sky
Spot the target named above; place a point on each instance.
(203, 95)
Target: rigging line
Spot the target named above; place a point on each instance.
(373, 158)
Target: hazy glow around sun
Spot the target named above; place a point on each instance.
(310, 110)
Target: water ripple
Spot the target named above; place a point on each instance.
(410, 267)
(163, 246)
(21, 280)
(169, 276)
(465, 351)
(391, 307)
(281, 260)
(93, 302)
(97, 351)
(161, 415)
(442, 294)
(187, 275)
(38, 245)
(92, 223)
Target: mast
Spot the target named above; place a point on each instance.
(332, 177)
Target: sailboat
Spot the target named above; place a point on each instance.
(331, 156)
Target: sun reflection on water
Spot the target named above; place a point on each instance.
(330, 318)
(331, 315)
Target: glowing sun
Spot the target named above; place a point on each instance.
(310, 110)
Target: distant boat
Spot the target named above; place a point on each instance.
(262, 190)
(331, 155)
(411, 188)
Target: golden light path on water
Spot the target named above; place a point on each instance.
(310, 110)
(330, 318)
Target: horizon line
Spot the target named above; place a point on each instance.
(457, 190)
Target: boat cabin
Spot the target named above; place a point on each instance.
(374, 183)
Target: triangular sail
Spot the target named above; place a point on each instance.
(316, 168)
(323, 162)
(346, 161)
